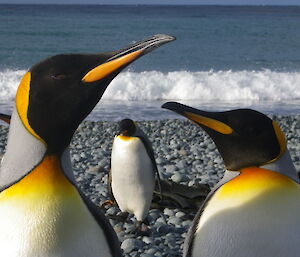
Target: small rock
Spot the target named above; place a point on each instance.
(130, 244)
(181, 164)
(175, 221)
(176, 178)
(180, 214)
(118, 228)
(164, 229)
(93, 170)
(168, 212)
(170, 168)
(112, 211)
(147, 240)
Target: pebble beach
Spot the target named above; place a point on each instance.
(184, 154)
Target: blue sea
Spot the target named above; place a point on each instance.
(225, 57)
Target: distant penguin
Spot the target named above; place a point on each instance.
(133, 170)
(42, 211)
(254, 210)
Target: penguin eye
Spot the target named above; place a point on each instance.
(59, 76)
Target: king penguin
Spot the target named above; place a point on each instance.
(42, 211)
(133, 169)
(254, 210)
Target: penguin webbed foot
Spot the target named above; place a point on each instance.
(107, 203)
(121, 216)
(141, 229)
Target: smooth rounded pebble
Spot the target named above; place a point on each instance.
(130, 244)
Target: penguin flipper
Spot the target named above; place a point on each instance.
(188, 243)
(150, 153)
(109, 188)
(111, 236)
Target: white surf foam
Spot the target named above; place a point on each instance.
(210, 85)
(185, 85)
(9, 82)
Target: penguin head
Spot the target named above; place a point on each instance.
(127, 127)
(244, 137)
(56, 94)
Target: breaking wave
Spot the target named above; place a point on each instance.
(185, 85)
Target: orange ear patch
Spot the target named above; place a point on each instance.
(281, 138)
(22, 102)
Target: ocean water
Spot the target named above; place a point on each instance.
(225, 57)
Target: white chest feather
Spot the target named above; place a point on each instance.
(253, 215)
(43, 215)
(23, 152)
(132, 176)
(50, 230)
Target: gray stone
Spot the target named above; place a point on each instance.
(170, 168)
(175, 221)
(130, 244)
(93, 170)
(168, 212)
(161, 220)
(177, 178)
(180, 214)
(211, 146)
(186, 223)
(147, 240)
(118, 228)
(146, 255)
(182, 164)
(112, 210)
(164, 229)
(151, 251)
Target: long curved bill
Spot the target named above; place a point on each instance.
(201, 118)
(120, 59)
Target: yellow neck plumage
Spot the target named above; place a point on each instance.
(46, 178)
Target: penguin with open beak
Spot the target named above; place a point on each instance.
(254, 210)
(42, 211)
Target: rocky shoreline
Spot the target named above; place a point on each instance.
(184, 154)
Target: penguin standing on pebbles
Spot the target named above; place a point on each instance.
(254, 210)
(42, 211)
(133, 169)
